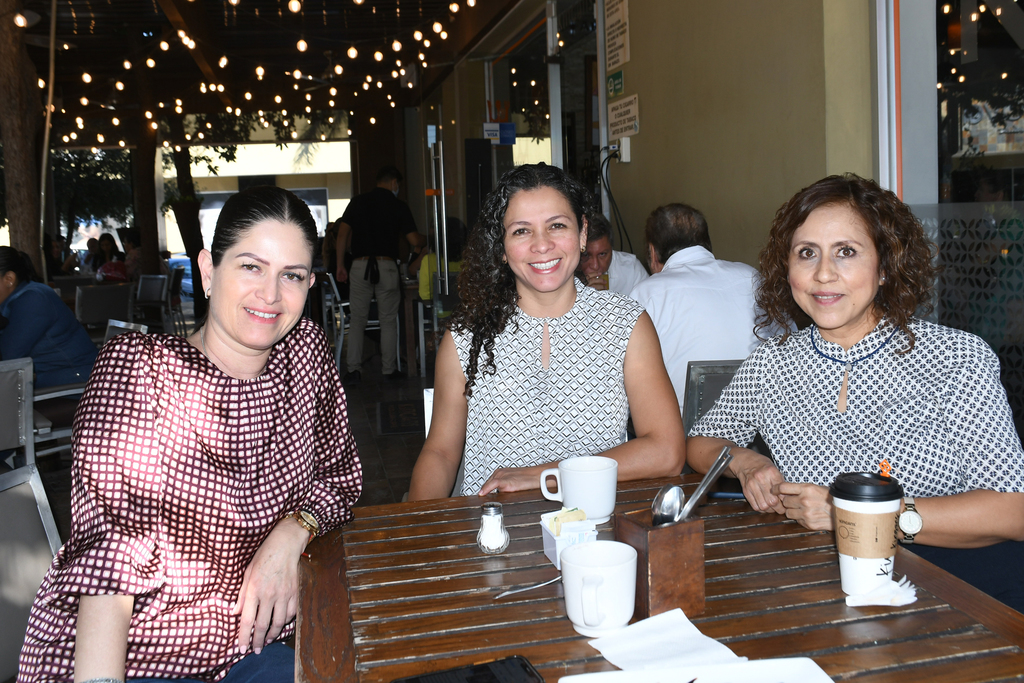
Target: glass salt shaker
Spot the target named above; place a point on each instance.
(493, 538)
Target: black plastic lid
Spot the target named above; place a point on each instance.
(865, 487)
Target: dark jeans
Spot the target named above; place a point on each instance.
(275, 664)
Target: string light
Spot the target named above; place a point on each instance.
(470, 3)
(202, 88)
(338, 69)
(164, 45)
(418, 35)
(238, 112)
(378, 55)
(277, 98)
(233, 2)
(373, 120)
(301, 45)
(295, 6)
(223, 62)
(66, 138)
(437, 27)
(444, 35)
(396, 46)
(394, 74)
(353, 52)
(454, 7)
(74, 136)
(259, 73)
(333, 91)
(330, 103)
(149, 114)
(297, 74)
(41, 83)
(151, 62)
(369, 78)
(366, 86)
(116, 121)
(248, 95)
(99, 138)
(426, 42)
(308, 97)
(20, 21)
(127, 65)
(379, 84)
(153, 125)
(220, 88)
(84, 101)
(86, 78)
(120, 143)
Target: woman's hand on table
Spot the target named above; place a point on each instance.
(508, 479)
(759, 476)
(269, 595)
(808, 504)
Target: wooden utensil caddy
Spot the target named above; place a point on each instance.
(669, 565)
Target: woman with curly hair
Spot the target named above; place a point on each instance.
(865, 381)
(536, 367)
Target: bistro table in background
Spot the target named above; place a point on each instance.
(405, 590)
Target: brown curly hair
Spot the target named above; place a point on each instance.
(904, 253)
(487, 286)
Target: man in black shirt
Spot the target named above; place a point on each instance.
(374, 222)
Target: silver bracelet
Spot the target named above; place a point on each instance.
(104, 680)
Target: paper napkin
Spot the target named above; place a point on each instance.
(892, 594)
(665, 641)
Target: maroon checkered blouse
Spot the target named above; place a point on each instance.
(180, 472)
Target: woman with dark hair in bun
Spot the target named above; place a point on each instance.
(865, 385)
(536, 367)
(40, 325)
(202, 468)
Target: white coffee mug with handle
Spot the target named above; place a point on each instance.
(599, 584)
(587, 483)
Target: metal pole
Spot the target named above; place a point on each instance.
(554, 86)
(45, 165)
(602, 98)
(442, 247)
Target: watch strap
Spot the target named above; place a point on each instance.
(308, 522)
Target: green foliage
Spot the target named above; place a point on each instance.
(92, 187)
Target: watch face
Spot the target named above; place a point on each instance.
(910, 522)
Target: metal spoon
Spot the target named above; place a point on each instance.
(528, 588)
(724, 458)
(667, 504)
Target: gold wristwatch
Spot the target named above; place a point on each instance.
(308, 522)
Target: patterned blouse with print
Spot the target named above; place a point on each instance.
(938, 414)
(524, 415)
(180, 473)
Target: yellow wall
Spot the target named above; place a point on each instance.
(732, 113)
(849, 105)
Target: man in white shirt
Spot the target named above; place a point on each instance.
(605, 268)
(702, 308)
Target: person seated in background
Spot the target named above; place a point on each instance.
(56, 264)
(606, 268)
(202, 468)
(703, 308)
(865, 382)
(537, 367)
(40, 325)
(427, 271)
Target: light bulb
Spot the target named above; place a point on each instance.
(394, 74)
(333, 91)
(151, 62)
(248, 95)
(297, 74)
(396, 46)
(260, 71)
(277, 98)
(373, 120)
(437, 27)
(20, 21)
(295, 6)
(301, 45)
(378, 55)
(164, 46)
(454, 7)
(353, 52)
(426, 42)
(100, 138)
(337, 69)
(418, 35)
(127, 64)
(41, 83)
(223, 62)
(444, 35)
(84, 101)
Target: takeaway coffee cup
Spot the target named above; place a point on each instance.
(865, 509)
(587, 483)
(599, 583)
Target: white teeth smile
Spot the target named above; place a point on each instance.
(258, 314)
(546, 265)
(827, 298)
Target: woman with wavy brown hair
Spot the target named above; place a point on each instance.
(535, 366)
(866, 382)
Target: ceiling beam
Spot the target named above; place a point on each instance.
(190, 18)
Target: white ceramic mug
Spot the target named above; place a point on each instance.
(587, 483)
(599, 584)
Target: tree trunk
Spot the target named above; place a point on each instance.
(19, 112)
(186, 210)
(144, 181)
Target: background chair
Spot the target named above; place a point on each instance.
(97, 304)
(30, 540)
(152, 302)
(705, 381)
(67, 285)
(333, 305)
(441, 306)
(116, 327)
(16, 431)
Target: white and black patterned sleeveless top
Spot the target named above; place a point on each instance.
(938, 413)
(525, 415)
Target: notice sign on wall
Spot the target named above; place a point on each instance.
(616, 33)
(623, 117)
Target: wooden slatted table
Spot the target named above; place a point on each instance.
(405, 590)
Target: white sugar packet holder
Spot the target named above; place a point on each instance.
(571, 533)
(891, 594)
